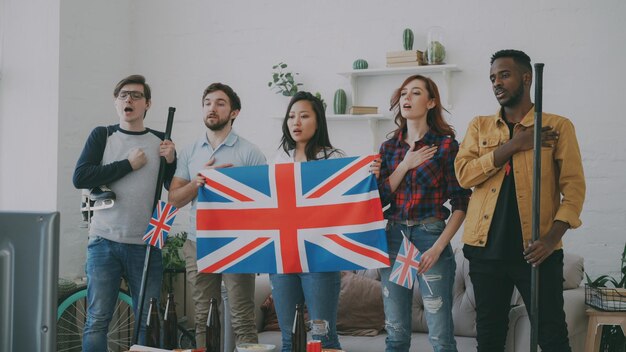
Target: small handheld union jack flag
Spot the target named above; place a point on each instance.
(160, 224)
(405, 268)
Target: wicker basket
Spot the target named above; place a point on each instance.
(606, 298)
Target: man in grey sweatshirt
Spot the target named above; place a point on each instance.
(126, 158)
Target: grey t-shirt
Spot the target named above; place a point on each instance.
(104, 162)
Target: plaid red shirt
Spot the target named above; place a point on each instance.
(424, 189)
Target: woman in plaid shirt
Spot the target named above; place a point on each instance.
(416, 178)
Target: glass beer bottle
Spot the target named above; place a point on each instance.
(213, 329)
(153, 328)
(169, 323)
(298, 333)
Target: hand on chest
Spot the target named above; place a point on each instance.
(429, 170)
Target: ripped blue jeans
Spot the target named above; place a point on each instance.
(320, 293)
(398, 299)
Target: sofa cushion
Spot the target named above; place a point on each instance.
(463, 304)
(270, 320)
(573, 271)
(360, 310)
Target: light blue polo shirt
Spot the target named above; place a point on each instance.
(233, 150)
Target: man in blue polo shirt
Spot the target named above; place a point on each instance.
(219, 146)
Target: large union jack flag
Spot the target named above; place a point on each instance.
(288, 218)
(407, 262)
(160, 224)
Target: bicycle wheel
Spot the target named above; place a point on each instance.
(72, 314)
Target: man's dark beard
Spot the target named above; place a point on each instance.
(217, 127)
(515, 98)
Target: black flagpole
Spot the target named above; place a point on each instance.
(534, 273)
(157, 197)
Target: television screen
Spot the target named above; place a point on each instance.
(29, 271)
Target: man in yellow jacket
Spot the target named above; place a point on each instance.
(496, 159)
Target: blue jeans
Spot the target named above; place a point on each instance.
(320, 291)
(107, 263)
(398, 299)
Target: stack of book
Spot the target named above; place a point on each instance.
(363, 110)
(405, 58)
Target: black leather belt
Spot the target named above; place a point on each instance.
(409, 223)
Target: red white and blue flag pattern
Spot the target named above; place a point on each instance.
(160, 224)
(405, 268)
(315, 216)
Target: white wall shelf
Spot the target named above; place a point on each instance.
(400, 70)
(374, 119)
(445, 70)
(347, 117)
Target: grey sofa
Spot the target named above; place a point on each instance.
(463, 313)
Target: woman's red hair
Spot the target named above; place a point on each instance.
(434, 117)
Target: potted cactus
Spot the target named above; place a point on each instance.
(359, 64)
(435, 46)
(340, 102)
(407, 39)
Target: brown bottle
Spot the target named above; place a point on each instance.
(213, 328)
(298, 333)
(153, 328)
(170, 320)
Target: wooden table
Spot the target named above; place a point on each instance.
(598, 318)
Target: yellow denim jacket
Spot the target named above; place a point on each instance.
(562, 178)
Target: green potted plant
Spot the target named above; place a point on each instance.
(603, 280)
(318, 95)
(173, 259)
(599, 295)
(283, 81)
(607, 292)
(171, 252)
